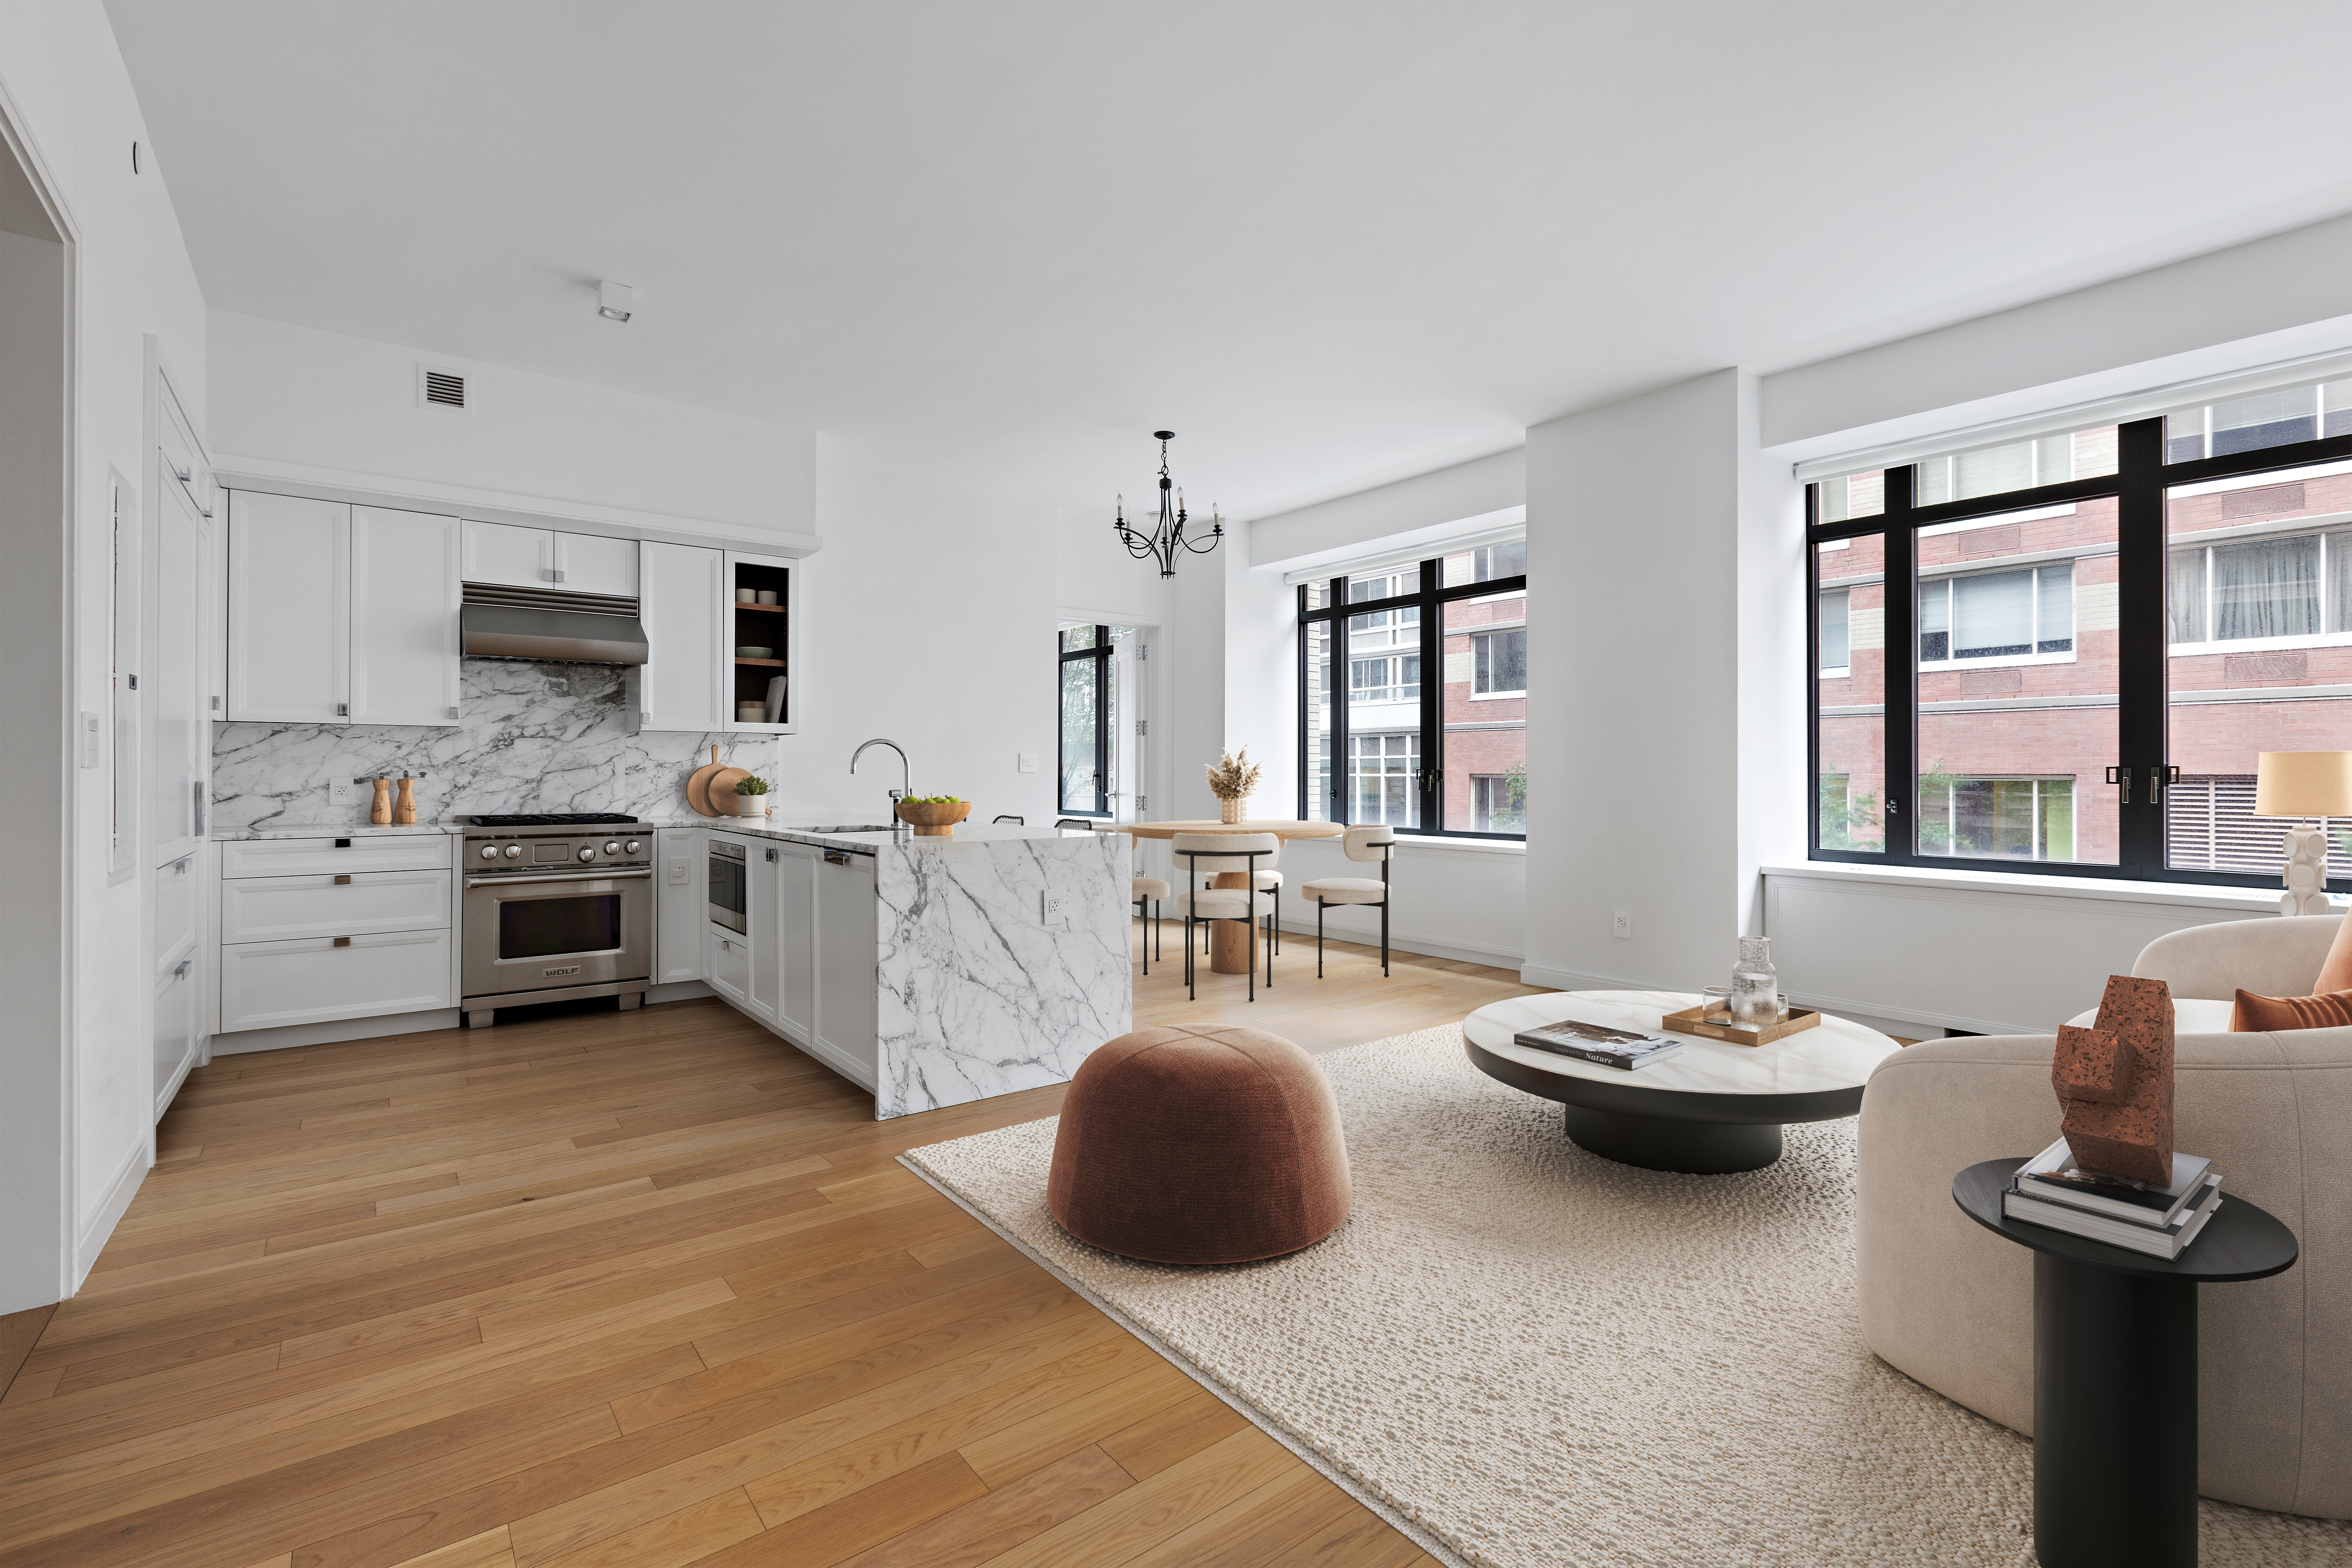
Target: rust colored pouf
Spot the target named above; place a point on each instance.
(1199, 1145)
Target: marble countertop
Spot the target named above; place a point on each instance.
(859, 843)
(274, 830)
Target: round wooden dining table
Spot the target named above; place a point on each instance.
(1229, 941)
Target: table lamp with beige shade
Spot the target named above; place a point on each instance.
(2305, 784)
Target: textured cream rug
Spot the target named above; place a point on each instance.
(1527, 1355)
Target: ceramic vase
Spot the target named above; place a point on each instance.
(751, 805)
(1233, 808)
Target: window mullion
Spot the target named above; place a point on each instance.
(1431, 783)
(2140, 570)
(1343, 801)
(1902, 661)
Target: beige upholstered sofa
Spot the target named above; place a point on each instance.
(1952, 1305)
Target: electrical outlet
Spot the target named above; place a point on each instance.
(342, 792)
(1624, 927)
(1049, 908)
(1026, 761)
(678, 871)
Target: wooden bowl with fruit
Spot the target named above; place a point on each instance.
(934, 815)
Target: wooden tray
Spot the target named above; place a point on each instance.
(1686, 1022)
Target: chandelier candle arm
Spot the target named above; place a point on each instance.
(1167, 536)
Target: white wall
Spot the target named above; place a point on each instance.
(296, 395)
(1638, 535)
(1426, 502)
(2287, 295)
(68, 93)
(927, 619)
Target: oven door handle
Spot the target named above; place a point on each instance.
(473, 882)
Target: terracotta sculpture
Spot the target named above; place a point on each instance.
(2115, 1083)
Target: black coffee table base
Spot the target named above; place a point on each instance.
(2114, 1416)
(1700, 1148)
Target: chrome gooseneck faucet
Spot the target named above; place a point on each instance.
(905, 775)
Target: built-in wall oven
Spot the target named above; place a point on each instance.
(730, 903)
(556, 908)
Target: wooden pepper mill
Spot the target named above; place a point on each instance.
(380, 812)
(405, 811)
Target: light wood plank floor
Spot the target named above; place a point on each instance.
(643, 1289)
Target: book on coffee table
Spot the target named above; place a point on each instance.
(1599, 1043)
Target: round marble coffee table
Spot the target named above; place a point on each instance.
(1713, 1109)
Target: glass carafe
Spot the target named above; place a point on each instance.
(1754, 984)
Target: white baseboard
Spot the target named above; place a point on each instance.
(91, 1240)
(286, 1036)
(1406, 942)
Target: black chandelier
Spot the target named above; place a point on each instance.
(1163, 542)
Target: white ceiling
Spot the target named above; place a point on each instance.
(996, 244)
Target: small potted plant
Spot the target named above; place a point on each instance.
(933, 815)
(750, 795)
(1231, 779)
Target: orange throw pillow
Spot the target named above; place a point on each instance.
(2335, 970)
(2261, 1014)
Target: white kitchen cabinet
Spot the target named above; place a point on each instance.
(796, 885)
(499, 553)
(178, 1029)
(179, 892)
(278, 908)
(684, 684)
(775, 626)
(846, 974)
(681, 903)
(761, 894)
(729, 966)
(290, 595)
(405, 602)
(592, 563)
(178, 673)
(504, 555)
(340, 615)
(360, 852)
(312, 979)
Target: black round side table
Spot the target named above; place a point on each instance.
(2115, 1375)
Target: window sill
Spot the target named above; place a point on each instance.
(2191, 895)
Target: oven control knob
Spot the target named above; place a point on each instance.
(611, 849)
(514, 851)
(634, 845)
(587, 854)
(489, 851)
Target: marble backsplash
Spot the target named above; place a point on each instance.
(529, 737)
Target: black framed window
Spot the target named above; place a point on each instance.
(1090, 712)
(1412, 691)
(2062, 654)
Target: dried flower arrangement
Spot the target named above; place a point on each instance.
(1233, 775)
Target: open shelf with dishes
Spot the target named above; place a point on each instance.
(762, 623)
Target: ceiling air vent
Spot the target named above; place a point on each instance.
(441, 388)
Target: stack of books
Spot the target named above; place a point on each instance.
(2049, 1189)
(1597, 1043)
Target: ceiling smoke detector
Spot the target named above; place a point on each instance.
(615, 301)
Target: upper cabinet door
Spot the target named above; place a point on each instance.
(289, 594)
(514, 557)
(683, 685)
(404, 608)
(590, 563)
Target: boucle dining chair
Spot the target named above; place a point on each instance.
(1373, 843)
(1211, 854)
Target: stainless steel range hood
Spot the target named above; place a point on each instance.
(549, 625)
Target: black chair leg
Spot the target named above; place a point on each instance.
(1250, 926)
(1142, 913)
(1318, 939)
(1384, 939)
(1163, 953)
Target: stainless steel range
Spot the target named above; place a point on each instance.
(557, 907)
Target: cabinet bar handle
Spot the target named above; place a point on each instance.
(342, 881)
(342, 941)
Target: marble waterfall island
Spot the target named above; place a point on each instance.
(979, 994)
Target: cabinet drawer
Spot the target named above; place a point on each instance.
(306, 856)
(277, 908)
(176, 914)
(263, 984)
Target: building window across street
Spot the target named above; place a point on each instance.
(1381, 744)
(2070, 649)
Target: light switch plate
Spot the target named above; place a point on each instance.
(1028, 761)
(1624, 927)
(342, 792)
(1049, 908)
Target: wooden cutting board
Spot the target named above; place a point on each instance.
(697, 784)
